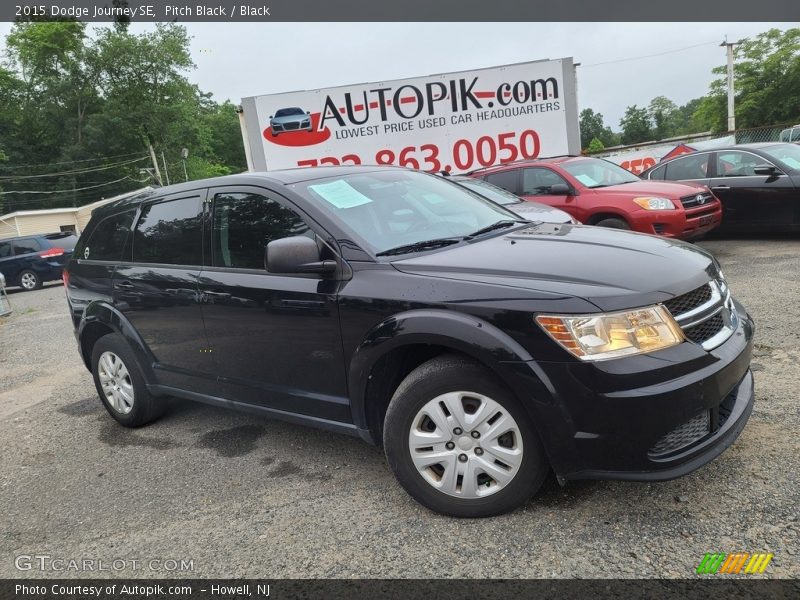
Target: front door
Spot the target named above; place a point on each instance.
(750, 199)
(536, 186)
(274, 338)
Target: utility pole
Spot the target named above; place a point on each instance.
(731, 118)
(166, 171)
(159, 181)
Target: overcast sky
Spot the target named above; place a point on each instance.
(246, 59)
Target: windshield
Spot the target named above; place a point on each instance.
(391, 208)
(492, 192)
(287, 112)
(788, 154)
(595, 172)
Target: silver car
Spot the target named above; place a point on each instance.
(289, 119)
(524, 208)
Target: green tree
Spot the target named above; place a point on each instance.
(766, 83)
(592, 126)
(665, 116)
(595, 146)
(636, 125)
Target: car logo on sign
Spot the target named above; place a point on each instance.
(701, 199)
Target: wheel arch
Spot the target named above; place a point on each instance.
(101, 318)
(399, 344)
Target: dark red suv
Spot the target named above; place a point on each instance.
(598, 192)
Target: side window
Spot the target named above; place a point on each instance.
(108, 238)
(5, 249)
(537, 181)
(170, 233)
(694, 166)
(658, 173)
(737, 164)
(795, 135)
(508, 180)
(245, 223)
(26, 246)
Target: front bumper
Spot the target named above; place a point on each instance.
(679, 224)
(609, 420)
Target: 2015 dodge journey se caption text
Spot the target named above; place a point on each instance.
(480, 349)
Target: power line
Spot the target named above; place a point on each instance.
(67, 162)
(73, 172)
(609, 62)
(68, 190)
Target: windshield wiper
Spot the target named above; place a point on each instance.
(423, 245)
(499, 225)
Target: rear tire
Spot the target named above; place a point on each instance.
(28, 280)
(484, 456)
(120, 384)
(614, 224)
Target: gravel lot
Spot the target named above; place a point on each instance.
(249, 497)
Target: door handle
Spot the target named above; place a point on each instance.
(124, 285)
(720, 187)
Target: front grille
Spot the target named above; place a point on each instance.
(294, 125)
(684, 435)
(681, 304)
(705, 330)
(706, 315)
(697, 200)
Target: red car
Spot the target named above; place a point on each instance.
(598, 192)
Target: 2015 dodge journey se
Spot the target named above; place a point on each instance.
(480, 349)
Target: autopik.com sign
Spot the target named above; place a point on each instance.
(449, 122)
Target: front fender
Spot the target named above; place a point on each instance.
(104, 314)
(463, 333)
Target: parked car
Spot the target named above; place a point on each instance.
(289, 119)
(528, 210)
(31, 260)
(790, 135)
(390, 304)
(598, 192)
(758, 184)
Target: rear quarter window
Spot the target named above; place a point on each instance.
(107, 240)
(25, 246)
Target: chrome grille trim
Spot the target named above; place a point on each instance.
(719, 304)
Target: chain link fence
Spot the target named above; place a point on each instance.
(638, 157)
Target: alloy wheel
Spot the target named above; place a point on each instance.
(116, 382)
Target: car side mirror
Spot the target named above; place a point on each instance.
(270, 116)
(296, 254)
(560, 189)
(767, 170)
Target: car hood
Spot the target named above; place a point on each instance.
(612, 269)
(539, 212)
(670, 189)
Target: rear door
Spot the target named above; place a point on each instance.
(156, 288)
(750, 199)
(274, 338)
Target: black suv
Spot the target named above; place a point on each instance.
(31, 260)
(482, 350)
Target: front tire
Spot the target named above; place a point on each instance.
(460, 443)
(28, 280)
(614, 224)
(120, 384)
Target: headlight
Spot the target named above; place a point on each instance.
(612, 335)
(654, 203)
